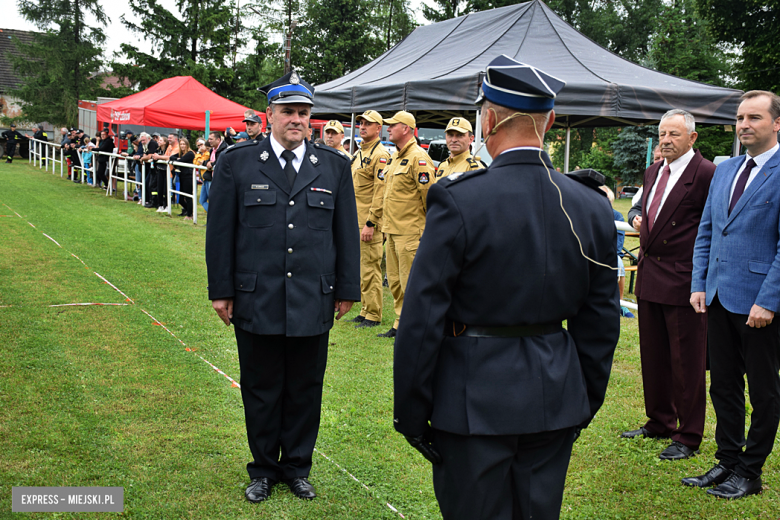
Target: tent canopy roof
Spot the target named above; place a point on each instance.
(435, 73)
(178, 102)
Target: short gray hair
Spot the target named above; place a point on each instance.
(690, 122)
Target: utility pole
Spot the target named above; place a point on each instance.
(288, 47)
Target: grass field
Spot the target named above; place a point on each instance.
(108, 396)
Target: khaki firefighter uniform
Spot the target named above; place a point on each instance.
(464, 162)
(368, 168)
(408, 176)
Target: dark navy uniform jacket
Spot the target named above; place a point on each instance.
(498, 251)
(284, 255)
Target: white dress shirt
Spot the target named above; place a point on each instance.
(278, 149)
(676, 169)
(760, 161)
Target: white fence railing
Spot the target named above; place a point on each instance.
(43, 154)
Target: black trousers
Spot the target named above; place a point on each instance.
(737, 350)
(102, 179)
(10, 149)
(163, 177)
(502, 477)
(185, 186)
(281, 386)
(150, 181)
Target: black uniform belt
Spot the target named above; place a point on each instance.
(455, 329)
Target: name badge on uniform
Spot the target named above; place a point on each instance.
(259, 186)
(366, 161)
(404, 162)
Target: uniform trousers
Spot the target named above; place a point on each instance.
(371, 278)
(401, 250)
(737, 350)
(10, 149)
(281, 387)
(673, 349)
(502, 477)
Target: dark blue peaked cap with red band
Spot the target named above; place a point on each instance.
(516, 85)
(290, 88)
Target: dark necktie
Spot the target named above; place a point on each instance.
(289, 169)
(658, 196)
(739, 189)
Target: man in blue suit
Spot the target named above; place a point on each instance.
(736, 275)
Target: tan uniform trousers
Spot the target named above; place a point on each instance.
(371, 278)
(401, 250)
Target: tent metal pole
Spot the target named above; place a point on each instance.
(566, 152)
(735, 150)
(352, 139)
(208, 120)
(477, 132)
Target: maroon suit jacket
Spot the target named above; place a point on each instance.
(666, 252)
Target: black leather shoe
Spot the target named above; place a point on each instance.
(301, 488)
(641, 431)
(357, 319)
(367, 323)
(716, 475)
(389, 334)
(677, 451)
(259, 489)
(736, 486)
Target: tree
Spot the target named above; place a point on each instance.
(629, 152)
(201, 40)
(754, 27)
(394, 20)
(446, 9)
(58, 66)
(683, 46)
(331, 43)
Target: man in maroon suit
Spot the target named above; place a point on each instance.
(672, 338)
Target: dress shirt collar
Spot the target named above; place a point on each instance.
(761, 159)
(534, 148)
(278, 149)
(678, 166)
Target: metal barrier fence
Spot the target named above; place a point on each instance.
(44, 153)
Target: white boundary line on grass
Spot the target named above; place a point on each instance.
(233, 382)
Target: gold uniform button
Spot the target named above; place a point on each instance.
(289, 250)
(664, 241)
(289, 275)
(322, 203)
(659, 258)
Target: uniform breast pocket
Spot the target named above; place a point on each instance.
(259, 208)
(320, 210)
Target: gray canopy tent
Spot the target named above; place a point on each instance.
(436, 71)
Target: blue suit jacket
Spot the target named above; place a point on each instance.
(737, 256)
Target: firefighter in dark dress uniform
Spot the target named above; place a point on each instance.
(13, 139)
(488, 384)
(283, 254)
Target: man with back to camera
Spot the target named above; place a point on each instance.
(736, 282)
(672, 337)
(407, 179)
(483, 357)
(368, 176)
(459, 136)
(282, 252)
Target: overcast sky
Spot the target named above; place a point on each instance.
(116, 32)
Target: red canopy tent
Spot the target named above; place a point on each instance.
(179, 102)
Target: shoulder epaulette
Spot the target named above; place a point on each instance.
(234, 147)
(460, 176)
(326, 148)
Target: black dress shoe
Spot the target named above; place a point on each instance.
(389, 334)
(677, 451)
(641, 431)
(716, 475)
(367, 323)
(259, 489)
(301, 488)
(148, 205)
(736, 486)
(357, 319)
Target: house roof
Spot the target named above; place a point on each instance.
(8, 78)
